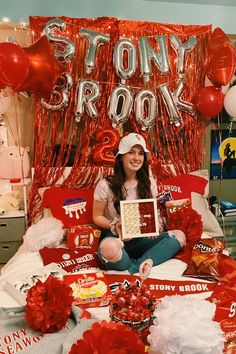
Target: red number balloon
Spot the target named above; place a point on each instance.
(104, 152)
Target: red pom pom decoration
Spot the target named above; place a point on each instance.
(48, 305)
(187, 220)
(108, 337)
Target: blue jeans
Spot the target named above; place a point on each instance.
(137, 250)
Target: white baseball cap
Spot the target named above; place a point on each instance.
(128, 141)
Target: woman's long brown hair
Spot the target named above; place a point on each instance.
(117, 180)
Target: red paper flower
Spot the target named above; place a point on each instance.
(108, 337)
(189, 221)
(48, 305)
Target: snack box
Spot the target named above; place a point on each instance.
(89, 289)
(19, 288)
(83, 237)
(174, 205)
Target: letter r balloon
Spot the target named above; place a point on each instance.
(87, 93)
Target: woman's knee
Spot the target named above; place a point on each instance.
(110, 249)
(180, 236)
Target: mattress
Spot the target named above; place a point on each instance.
(25, 263)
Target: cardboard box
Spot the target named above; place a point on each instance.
(89, 289)
(139, 218)
(18, 290)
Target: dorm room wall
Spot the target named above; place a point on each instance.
(21, 113)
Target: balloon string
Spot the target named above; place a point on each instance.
(131, 86)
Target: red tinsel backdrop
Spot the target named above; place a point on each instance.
(58, 133)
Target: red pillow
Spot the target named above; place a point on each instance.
(71, 260)
(71, 206)
(181, 187)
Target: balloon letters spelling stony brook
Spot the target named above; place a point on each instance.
(131, 58)
(97, 78)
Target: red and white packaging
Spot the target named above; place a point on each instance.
(89, 289)
(83, 237)
(174, 205)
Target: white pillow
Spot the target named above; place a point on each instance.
(200, 204)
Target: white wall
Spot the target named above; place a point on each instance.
(179, 13)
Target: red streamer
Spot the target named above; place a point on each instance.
(180, 146)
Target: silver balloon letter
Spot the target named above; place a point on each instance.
(174, 104)
(95, 39)
(120, 105)
(171, 108)
(181, 104)
(59, 97)
(145, 108)
(147, 54)
(87, 93)
(181, 50)
(66, 47)
(124, 45)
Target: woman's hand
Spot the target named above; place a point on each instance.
(161, 228)
(119, 232)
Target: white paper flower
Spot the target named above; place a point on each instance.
(184, 325)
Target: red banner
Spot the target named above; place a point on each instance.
(161, 288)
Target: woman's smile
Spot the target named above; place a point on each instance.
(133, 160)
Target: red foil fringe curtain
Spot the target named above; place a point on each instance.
(182, 147)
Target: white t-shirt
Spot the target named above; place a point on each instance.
(103, 193)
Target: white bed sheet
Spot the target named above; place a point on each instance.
(24, 263)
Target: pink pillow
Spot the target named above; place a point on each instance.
(71, 206)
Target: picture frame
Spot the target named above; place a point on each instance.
(139, 218)
(223, 154)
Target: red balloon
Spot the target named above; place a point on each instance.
(44, 69)
(218, 40)
(221, 66)
(2, 85)
(108, 142)
(14, 65)
(210, 101)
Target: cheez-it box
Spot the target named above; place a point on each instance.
(83, 237)
(89, 289)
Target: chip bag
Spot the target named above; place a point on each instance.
(205, 260)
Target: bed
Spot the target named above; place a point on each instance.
(28, 261)
(23, 260)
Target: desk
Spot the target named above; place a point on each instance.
(228, 225)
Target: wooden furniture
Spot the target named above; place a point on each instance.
(12, 228)
(13, 225)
